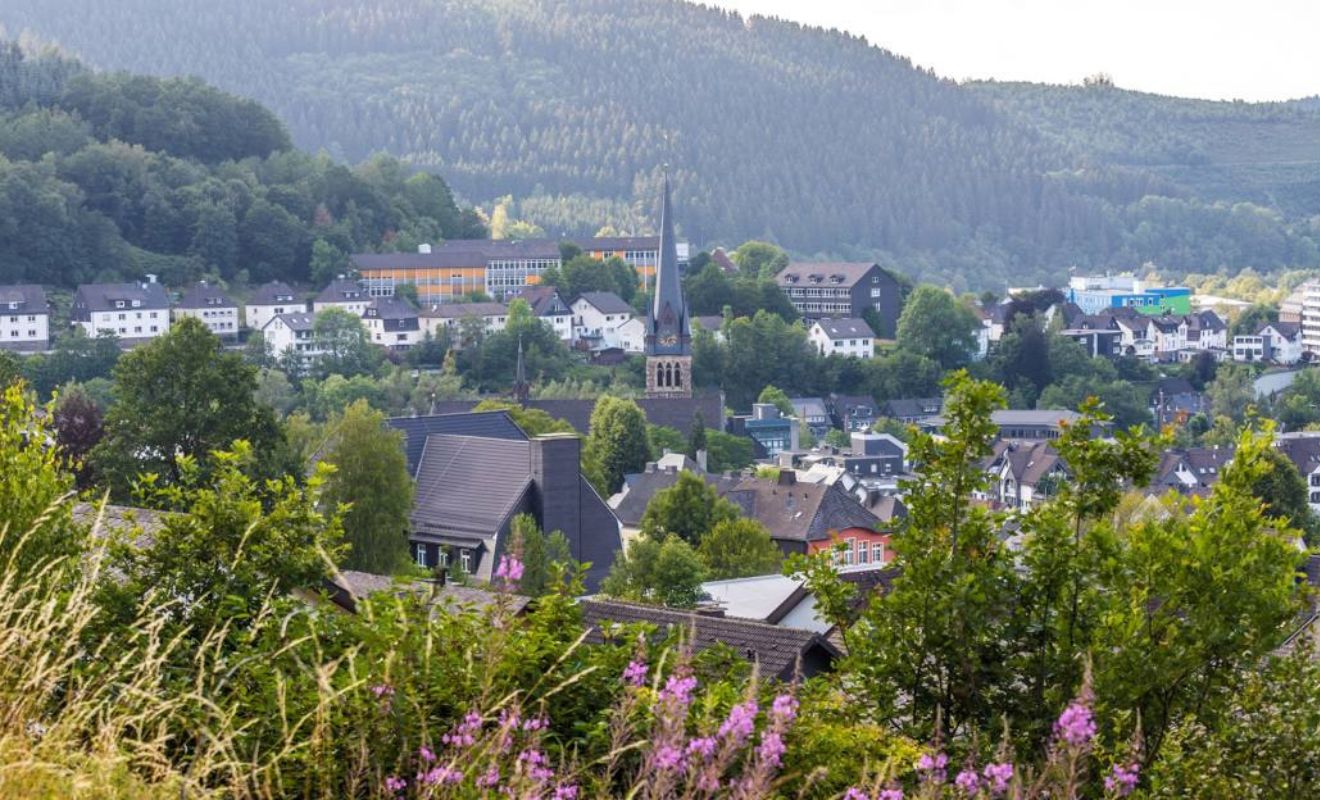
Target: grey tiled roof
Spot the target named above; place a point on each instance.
(606, 302)
(831, 273)
(205, 295)
(776, 650)
(30, 298)
(469, 484)
(490, 424)
(801, 512)
(644, 486)
(464, 310)
(672, 412)
(846, 328)
(391, 308)
(342, 290)
(273, 293)
(297, 322)
(93, 297)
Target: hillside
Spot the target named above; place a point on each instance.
(817, 140)
(107, 177)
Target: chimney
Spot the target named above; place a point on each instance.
(787, 477)
(764, 411)
(556, 472)
(424, 249)
(151, 277)
(701, 460)
(650, 467)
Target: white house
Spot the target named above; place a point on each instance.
(598, 318)
(1248, 348)
(632, 335)
(270, 301)
(393, 323)
(210, 305)
(848, 337)
(550, 308)
(1168, 333)
(1206, 330)
(450, 317)
(1281, 342)
(286, 333)
(24, 318)
(343, 293)
(135, 312)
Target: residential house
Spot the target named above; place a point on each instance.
(843, 289)
(1169, 334)
(1303, 449)
(873, 455)
(779, 653)
(463, 321)
(805, 517)
(271, 300)
(639, 489)
(292, 334)
(24, 318)
(208, 303)
(771, 431)
(853, 412)
(912, 409)
(344, 293)
(599, 319)
(843, 336)
(1023, 474)
(811, 411)
(549, 306)
(1190, 470)
(1276, 343)
(1019, 424)
(1206, 330)
(1175, 400)
(474, 473)
(135, 312)
(393, 323)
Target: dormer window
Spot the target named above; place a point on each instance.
(137, 303)
(119, 304)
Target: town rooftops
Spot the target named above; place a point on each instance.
(1020, 417)
(349, 587)
(912, 407)
(606, 302)
(826, 273)
(98, 297)
(205, 295)
(465, 310)
(846, 328)
(544, 300)
(296, 322)
(800, 512)
(26, 297)
(341, 290)
(1288, 330)
(272, 294)
(489, 424)
(393, 307)
(469, 484)
(1174, 386)
(777, 651)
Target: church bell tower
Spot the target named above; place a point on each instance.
(668, 334)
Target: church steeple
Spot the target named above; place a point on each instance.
(668, 331)
(521, 389)
(668, 335)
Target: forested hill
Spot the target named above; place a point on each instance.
(110, 176)
(817, 140)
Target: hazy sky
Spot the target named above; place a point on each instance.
(1221, 49)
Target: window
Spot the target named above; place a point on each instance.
(878, 553)
(848, 553)
(465, 561)
(421, 555)
(862, 554)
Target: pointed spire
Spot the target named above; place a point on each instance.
(520, 387)
(667, 307)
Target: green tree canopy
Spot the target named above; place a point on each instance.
(663, 570)
(935, 325)
(689, 509)
(618, 444)
(739, 548)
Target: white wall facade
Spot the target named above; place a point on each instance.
(24, 329)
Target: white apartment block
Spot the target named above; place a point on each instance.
(270, 301)
(24, 318)
(851, 338)
(134, 312)
(209, 304)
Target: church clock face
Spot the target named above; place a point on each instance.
(668, 339)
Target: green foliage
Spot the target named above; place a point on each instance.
(935, 325)
(344, 344)
(710, 291)
(1231, 392)
(689, 509)
(697, 439)
(32, 484)
(738, 548)
(662, 439)
(543, 557)
(663, 570)
(617, 444)
(181, 396)
(489, 360)
(371, 486)
(1283, 491)
(759, 259)
(837, 438)
(778, 398)
(728, 452)
(76, 357)
(533, 421)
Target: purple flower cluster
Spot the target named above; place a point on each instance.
(932, 767)
(465, 734)
(784, 708)
(998, 776)
(510, 569)
(668, 757)
(490, 779)
(536, 764)
(968, 781)
(1076, 725)
(703, 746)
(772, 748)
(635, 673)
(439, 776)
(740, 723)
(395, 784)
(890, 794)
(678, 689)
(1122, 780)
(425, 754)
(566, 791)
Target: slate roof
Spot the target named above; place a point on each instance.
(1027, 463)
(273, 294)
(644, 486)
(297, 322)
(809, 407)
(775, 649)
(120, 519)
(1288, 330)
(846, 405)
(606, 302)
(801, 512)
(350, 586)
(93, 297)
(30, 298)
(490, 424)
(342, 290)
(205, 295)
(671, 412)
(464, 310)
(830, 273)
(1208, 320)
(455, 491)
(393, 307)
(710, 322)
(845, 328)
(1167, 324)
(1174, 386)
(912, 407)
(607, 243)
(462, 253)
(545, 301)
(1303, 451)
(1204, 464)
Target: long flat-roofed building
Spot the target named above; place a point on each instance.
(499, 268)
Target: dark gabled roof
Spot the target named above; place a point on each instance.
(827, 273)
(644, 486)
(1070, 313)
(342, 290)
(776, 650)
(544, 300)
(801, 512)
(205, 295)
(846, 328)
(610, 243)
(1174, 386)
(670, 412)
(870, 582)
(1288, 330)
(465, 310)
(29, 297)
(710, 322)
(491, 424)
(1167, 324)
(1303, 451)
(1204, 463)
(273, 293)
(296, 322)
(606, 302)
(1208, 320)
(845, 404)
(103, 296)
(393, 307)
(469, 484)
(1029, 463)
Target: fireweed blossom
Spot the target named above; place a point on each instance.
(510, 569)
(635, 673)
(439, 776)
(932, 767)
(968, 781)
(1122, 779)
(678, 689)
(784, 708)
(395, 784)
(890, 794)
(771, 749)
(998, 777)
(1076, 725)
(740, 722)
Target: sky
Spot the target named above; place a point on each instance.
(1215, 49)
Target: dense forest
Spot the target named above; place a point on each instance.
(109, 176)
(817, 140)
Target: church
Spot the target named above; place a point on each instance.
(668, 332)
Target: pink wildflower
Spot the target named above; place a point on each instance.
(785, 708)
(425, 753)
(998, 776)
(679, 689)
(439, 775)
(1075, 726)
(968, 781)
(635, 674)
(668, 758)
(890, 794)
(772, 748)
(566, 792)
(490, 779)
(1122, 780)
(510, 569)
(740, 722)
(537, 765)
(382, 690)
(703, 746)
(854, 793)
(932, 766)
(395, 784)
